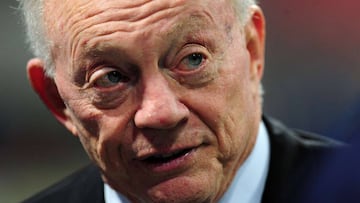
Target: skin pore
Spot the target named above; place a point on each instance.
(140, 81)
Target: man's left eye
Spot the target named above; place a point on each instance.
(193, 61)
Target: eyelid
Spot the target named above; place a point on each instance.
(98, 73)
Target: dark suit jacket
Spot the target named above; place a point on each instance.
(294, 156)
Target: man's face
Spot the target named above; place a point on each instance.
(164, 95)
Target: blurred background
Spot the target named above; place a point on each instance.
(312, 82)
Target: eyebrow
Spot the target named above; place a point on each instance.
(192, 22)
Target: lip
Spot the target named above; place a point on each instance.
(168, 161)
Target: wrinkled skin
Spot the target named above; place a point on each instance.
(139, 78)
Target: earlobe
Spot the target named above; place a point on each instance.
(255, 39)
(47, 90)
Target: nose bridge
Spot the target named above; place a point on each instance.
(160, 107)
(156, 92)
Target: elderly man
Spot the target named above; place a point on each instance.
(165, 97)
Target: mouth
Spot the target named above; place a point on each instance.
(167, 157)
(169, 161)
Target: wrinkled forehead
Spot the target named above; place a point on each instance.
(60, 14)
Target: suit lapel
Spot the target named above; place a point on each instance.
(294, 156)
(89, 187)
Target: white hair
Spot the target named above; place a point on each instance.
(33, 18)
(40, 45)
(242, 8)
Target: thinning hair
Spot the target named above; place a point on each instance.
(40, 44)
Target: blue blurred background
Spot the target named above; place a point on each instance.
(312, 82)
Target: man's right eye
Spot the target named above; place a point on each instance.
(108, 77)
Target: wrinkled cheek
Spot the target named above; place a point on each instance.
(113, 160)
(88, 128)
(88, 132)
(233, 129)
(110, 149)
(105, 152)
(228, 142)
(90, 145)
(109, 153)
(100, 135)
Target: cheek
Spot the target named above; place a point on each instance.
(239, 117)
(230, 107)
(104, 135)
(87, 127)
(101, 131)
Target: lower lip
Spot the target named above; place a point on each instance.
(179, 163)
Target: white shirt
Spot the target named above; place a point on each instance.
(248, 184)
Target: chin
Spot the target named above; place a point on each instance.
(183, 189)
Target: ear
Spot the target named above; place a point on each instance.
(47, 90)
(255, 41)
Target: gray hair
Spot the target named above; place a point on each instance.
(40, 45)
(32, 11)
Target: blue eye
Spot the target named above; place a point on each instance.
(114, 77)
(110, 79)
(194, 60)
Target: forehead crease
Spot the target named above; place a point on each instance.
(97, 13)
(195, 20)
(191, 24)
(113, 18)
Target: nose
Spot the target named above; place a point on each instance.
(160, 108)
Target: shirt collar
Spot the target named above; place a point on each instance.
(111, 196)
(248, 184)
